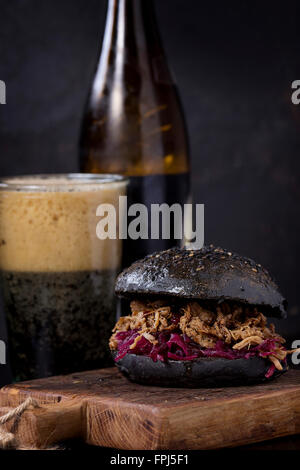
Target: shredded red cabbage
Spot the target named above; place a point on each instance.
(180, 347)
(270, 371)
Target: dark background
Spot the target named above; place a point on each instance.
(234, 63)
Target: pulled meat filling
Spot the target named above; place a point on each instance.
(237, 328)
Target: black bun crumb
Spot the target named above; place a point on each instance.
(211, 273)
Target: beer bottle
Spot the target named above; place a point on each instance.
(133, 122)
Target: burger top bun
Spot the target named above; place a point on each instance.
(212, 273)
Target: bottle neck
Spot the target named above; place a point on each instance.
(131, 39)
(129, 22)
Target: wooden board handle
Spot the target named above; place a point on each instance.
(48, 424)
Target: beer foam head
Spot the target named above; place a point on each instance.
(48, 223)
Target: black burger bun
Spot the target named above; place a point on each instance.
(202, 372)
(211, 273)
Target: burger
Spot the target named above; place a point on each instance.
(199, 319)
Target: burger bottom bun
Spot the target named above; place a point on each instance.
(202, 372)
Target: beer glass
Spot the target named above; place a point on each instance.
(57, 275)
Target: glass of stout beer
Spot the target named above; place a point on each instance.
(57, 276)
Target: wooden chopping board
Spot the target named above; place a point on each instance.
(104, 409)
